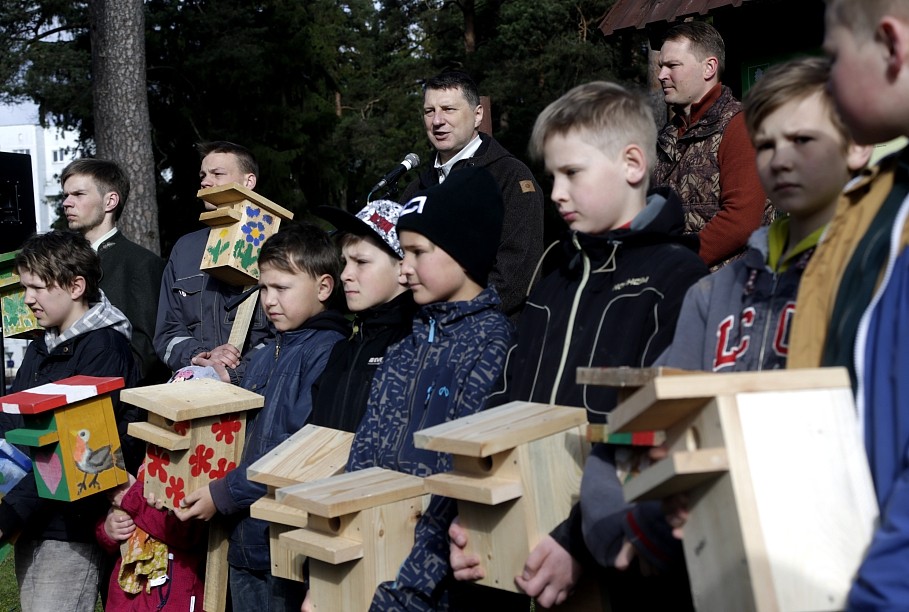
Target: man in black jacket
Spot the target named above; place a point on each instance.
(95, 192)
(452, 114)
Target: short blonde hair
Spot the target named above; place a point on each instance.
(604, 114)
(862, 16)
(793, 80)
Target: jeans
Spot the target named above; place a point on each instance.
(60, 576)
(262, 592)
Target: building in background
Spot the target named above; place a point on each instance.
(50, 149)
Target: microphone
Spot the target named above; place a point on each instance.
(411, 161)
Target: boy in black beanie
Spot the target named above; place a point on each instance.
(446, 368)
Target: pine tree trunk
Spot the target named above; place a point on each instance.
(120, 95)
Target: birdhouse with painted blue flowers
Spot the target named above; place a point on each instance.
(241, 222)
(71, 429)
(18, 320)
(195, 433)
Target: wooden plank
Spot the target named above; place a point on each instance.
(268, 509)
(221, 216)
(159, 437)
(234, 192)
(322, 546)
(489, 490)
(35, 437)
(814, 555)
(242, 320)
(669, 399)
(216, 568)
(499, 429)
(313, 453)
(624, 376)
(192, 400)
(681, 471)
(352, 492)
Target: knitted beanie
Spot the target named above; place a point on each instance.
(462, 216)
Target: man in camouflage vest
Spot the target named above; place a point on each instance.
(704, 152)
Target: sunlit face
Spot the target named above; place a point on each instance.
(83, 204)
(589, 187)
(682, 74)
(290, 299)
(802, 159)
(221, 169)
(859, 83)
(370, 276)
(52, 306)
(432, 274)
(450, 121)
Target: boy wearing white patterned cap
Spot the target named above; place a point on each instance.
(383, 311)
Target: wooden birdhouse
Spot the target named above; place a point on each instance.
(195, 433)
(311, 454)
(242, 221)
(516, 472)
(18, 320)
(781, 501)
(359, 531)
(70, 426)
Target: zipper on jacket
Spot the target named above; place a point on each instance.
(432, 330)
(278, 345)
(769, 322)
(571, 317)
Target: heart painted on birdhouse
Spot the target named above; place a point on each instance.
(50, 469)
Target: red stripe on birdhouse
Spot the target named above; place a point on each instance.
(61, 393)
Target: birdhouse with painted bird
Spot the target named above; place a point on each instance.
(18, 320)
(195, 433)
(241, 222)
(71, 429)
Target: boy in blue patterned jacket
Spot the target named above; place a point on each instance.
(299, 273)
(445, 369)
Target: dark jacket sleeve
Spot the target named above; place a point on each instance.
(174, 343)
(521, 244)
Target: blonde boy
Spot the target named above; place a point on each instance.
(738, 318)
(857, 281)
(612, 300)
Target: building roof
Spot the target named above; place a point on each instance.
(638, 13)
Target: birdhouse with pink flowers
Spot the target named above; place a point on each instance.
(18, 320)
(195, 433)
(71, 429)
(240, 223)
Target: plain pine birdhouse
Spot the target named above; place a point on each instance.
(241, 222)
(310, 454)
(195, 433)
(70, 426)
(780, 498)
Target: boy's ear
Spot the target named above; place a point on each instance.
(249, 181)
(326, 286)
(635, 162)
(77, 288)
(894, 34)
(857, 156)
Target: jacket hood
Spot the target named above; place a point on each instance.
(442, 314)
(101, 314)
(330, 320)
(397, 310)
